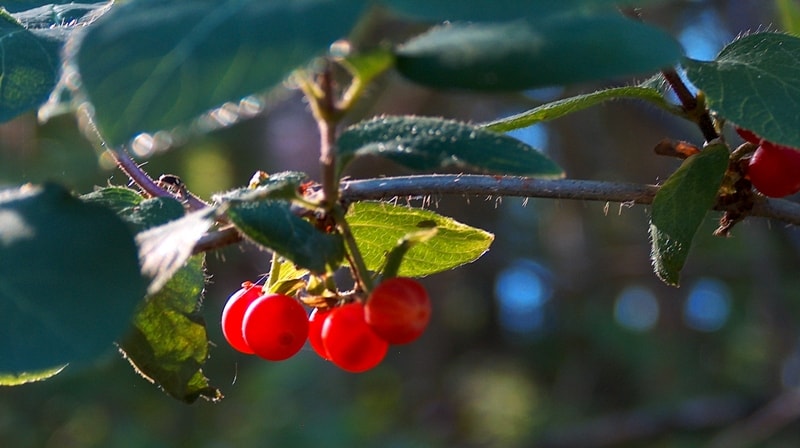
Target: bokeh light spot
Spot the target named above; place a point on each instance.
(636, 308)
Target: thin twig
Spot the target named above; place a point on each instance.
(694, 109)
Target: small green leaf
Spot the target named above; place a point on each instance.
(69, 279)
(566, 106)
(395, 257)
(378, 226)
(755, 83)
(17, 379)
(285, 277)
(681, 205)
(521, 55)
(273, 224)
(115, 198)
(29, 70)
(366, 66)
(168, 344)
(283, 185)
(150, 65)
(425, 143)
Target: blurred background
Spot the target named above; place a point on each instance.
(560, 336)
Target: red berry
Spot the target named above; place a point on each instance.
(748, 136)
(233, 315)
(349, 342)
(315, 322)
(774, 170)
(398, 310)
(275, 327)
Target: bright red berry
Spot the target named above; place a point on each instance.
(233, 315)
(315, 322)
(275, 327)
(774, 170)
(398, 310)
(349, 342)
(748, 136)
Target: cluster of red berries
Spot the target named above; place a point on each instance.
(774, 169)
(354, 336)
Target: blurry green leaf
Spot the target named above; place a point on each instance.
(789, 15)
(29, 71)
(17, 379)
(273, 224)
(366, 66)
(755, 83)
(154, 64)
(425, 143)
(168, 344)
(378, 226)
(498, 10)
(566, 106)
(681, 205)
(69, 279)
(521, 55)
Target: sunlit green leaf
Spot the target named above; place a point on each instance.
(755, 83)
(681, 205)
(17, 379)
(61, 262)
(566, 106)
(168, 344)
(379, 226)
(273, 224)
(150, 65)
(425, 143)
(521, 55)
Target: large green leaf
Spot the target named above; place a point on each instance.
(755, 83)
(425, 143)
(681, 205)
(483, 11)
(29, 70)
(379, 226)
(153, 64)
(525, 54)
(69, 279)
(168, 344)
(566, 106)
(273, 224)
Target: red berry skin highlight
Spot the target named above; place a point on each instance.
(398, 310)
(350, 342)
(275, 327)
(774, 170)
(233, 316)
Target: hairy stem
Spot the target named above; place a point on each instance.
(481, 185)
(695, 109)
